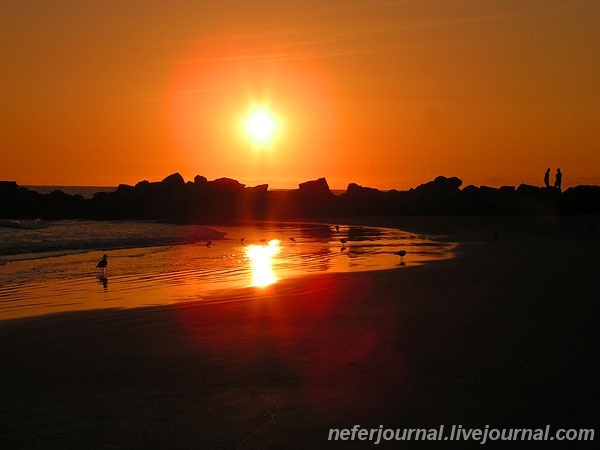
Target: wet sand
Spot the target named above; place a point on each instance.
(503, 335)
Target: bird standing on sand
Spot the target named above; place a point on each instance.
(401, 254)
(343, 241)
(209, 243)
(102, 263)
(242, 240)
(337, 228)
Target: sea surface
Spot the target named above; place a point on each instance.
(48, 267)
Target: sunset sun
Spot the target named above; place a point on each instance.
(260, 126)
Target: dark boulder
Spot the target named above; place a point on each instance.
(315, 188)
(441, 185)
(527, 189)
(360, 200)
(8, 187)
(226, 185)
(582, 199)
(435, 197)
(315, 199)
(174, 180)
(535, 200)
(260, 189)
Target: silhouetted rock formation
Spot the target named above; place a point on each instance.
(225, 200)
(315, 198)
(582, 199)
(363, 201)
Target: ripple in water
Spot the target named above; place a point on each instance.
(186, 269)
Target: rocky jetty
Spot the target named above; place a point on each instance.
(224, 200)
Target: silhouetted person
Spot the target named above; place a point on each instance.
(547, 178)
(558, 180)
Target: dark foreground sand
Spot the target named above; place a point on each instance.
(503, 335)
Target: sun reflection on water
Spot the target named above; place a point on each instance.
(261, 262)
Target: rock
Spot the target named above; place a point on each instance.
(355, 190)
(528, 189)
(227, 185)
(507, 189)
(315, 188)
(8, 187)
(125, 189)
(441, 185)
(582, 199)
(174, 180)
(260, 189)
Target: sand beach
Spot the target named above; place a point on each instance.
(503, 334)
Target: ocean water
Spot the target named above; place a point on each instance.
(48, 267)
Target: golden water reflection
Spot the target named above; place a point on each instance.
(261, 262)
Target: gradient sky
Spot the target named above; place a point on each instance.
(387, 94)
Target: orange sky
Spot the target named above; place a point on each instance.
(384, 93)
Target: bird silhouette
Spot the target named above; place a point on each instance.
(102, 263)
(337, 228)
(209, 243)
(242, 241)
(293, 239)
(401, 254)
(343, 241)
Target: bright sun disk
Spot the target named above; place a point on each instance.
(260, 126)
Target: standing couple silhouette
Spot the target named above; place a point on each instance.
(557, 179)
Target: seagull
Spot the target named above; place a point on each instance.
(293, 239)
(343, 241)
(401, 254)
(102, 263)
(209, 243)
(242, 241)
(337, 228)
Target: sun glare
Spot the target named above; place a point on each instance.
(260, 257)
(260, 126)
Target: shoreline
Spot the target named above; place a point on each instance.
(502, 335)
(142, 276)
